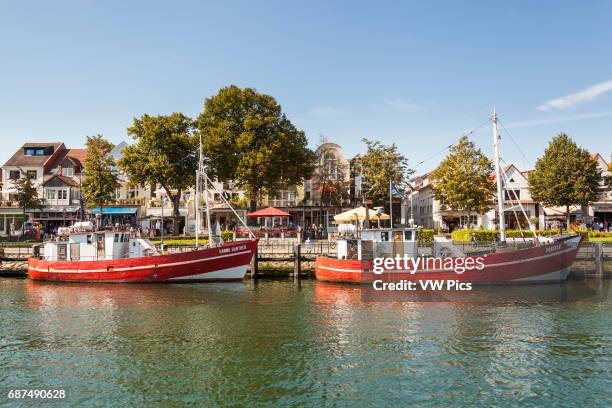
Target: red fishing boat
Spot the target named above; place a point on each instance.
(500, 263)
(381, 255)
(120, 256)
(84, 254)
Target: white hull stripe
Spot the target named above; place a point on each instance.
(537, 258)
(236, 272)
(132, 268)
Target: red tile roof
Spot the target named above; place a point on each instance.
(79, 154)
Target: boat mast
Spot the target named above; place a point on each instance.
(498, 179)
(203, 172)
(197, 196)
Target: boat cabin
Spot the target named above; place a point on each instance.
(82, 243)
(377, 243)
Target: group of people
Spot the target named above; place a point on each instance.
(314, 232)
(601, 226)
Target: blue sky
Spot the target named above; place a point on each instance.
(418, 74)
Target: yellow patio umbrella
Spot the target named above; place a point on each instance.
(358, 214)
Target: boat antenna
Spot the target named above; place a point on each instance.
(498, 179)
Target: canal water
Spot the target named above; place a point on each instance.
(313, 344)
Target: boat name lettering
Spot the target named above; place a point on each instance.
(232, 249)
(553, 248)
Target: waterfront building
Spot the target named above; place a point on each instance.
(57, 173)
(428, 212)
(327, 192)
(516, 195)
(600, 210)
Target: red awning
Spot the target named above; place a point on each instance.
(269, 212)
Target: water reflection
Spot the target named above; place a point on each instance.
(274, 342)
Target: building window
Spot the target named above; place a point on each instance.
(34, 151)
(67, 171)
(512, 195)
(14, 174)
(50, 194)
(62, 194)
(331, 166)
(31, 174)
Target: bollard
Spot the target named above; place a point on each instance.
(297, 261)
(599, 259)
(254, 264)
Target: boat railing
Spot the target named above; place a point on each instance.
(480, 248)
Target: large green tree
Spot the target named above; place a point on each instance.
(101, 176)
(380, 165)
(462, 181)
(564, 176)
(248, 139)
(164, 153)
(27, 195)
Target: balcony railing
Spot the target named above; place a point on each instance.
(282, 203)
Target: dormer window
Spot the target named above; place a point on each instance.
(38, 151)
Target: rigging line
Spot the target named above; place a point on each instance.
(527, 161)
(471, 132)
(505, 176)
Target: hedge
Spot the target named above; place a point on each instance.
(465, 235)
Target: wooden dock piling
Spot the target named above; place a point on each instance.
(255, 264)
(297, 261)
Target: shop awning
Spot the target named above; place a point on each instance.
(67, 210)
(115, 210)
(269, 212)
(359, 214)
(157, 212)
(560, 211)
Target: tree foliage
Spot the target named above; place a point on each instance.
(462, 181)
(248, 139)
(380, 165)
(27, 193)
(565, 175)
(101, 176)
(164, 153)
